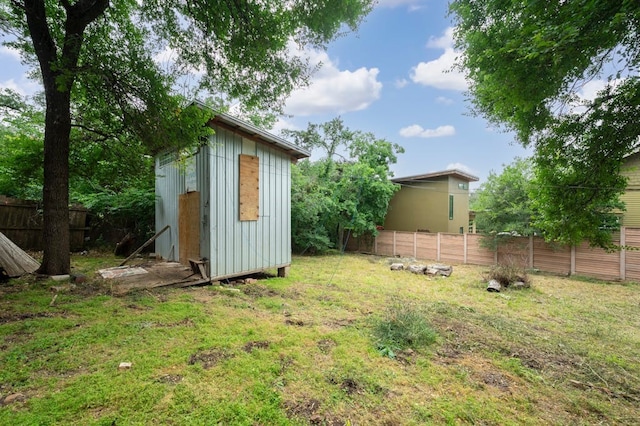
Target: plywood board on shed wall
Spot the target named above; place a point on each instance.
(189, 226)
(249, 187)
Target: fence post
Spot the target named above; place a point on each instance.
(394, 243)
(530, 251)
(465, 249)
(375, 244)
(573, 260)
(623, 253)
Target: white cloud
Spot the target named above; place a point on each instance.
(443, 100)
(589, 90)
(586, 94)
(401, 83)
(412, 4)
(11, 84)
(281, 125)
(443, 42)
(416, 130)
(439, 73)
(24, 86)
(461, 167)
(167, 58)
(334, 91)
(12, 53)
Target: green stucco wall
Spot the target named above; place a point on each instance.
(425, 206)
(631, 197)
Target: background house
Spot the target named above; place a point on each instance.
(228, 203)
(433, 202)
(631, 197)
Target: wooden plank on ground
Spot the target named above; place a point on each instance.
(14, 260)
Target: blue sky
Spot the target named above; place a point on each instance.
(389, 78)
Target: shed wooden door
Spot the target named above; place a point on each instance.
(189, 226)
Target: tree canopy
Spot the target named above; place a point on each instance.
(502, 203)
(99, 63)
(529, 63)
(347, 189)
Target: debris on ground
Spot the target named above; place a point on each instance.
(433, 270)
(494, 286)
(121, 271)
(438, 269)
(14, 261)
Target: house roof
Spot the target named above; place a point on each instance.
(430, 176)
(247, 129)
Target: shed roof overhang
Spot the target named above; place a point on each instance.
(248, 130)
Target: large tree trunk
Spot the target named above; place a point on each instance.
(55, 194)
(58, 68)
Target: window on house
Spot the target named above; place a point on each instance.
(450, 207)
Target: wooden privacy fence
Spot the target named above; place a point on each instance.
(21, 222)
(528, 252)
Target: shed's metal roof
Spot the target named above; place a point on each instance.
(235, 124)
(430, 176)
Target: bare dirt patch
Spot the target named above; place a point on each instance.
(306, 409)
(339, 323)
(495, 379)
(326, 345)
(406, 356)
(310, 410)
(210, 358)
(170, 379)
(13, 399)
(258, 290)
(7, 318)
(251, 346)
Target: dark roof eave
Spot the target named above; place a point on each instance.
(428, 176)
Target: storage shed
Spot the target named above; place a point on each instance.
(227, 205)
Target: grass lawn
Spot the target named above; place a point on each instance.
(307, 349)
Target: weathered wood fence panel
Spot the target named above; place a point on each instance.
(384, 244)
(476, 253)
(452, 248)
(596, 263)
(404, 245)
(21, 222)
(426, 246)
(528, 252)
(632, 257)
(363, 243)
(551, 258)
(515, 252)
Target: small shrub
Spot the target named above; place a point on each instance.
(402, 326)
(507, 274)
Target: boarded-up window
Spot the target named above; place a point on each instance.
(249, 187)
